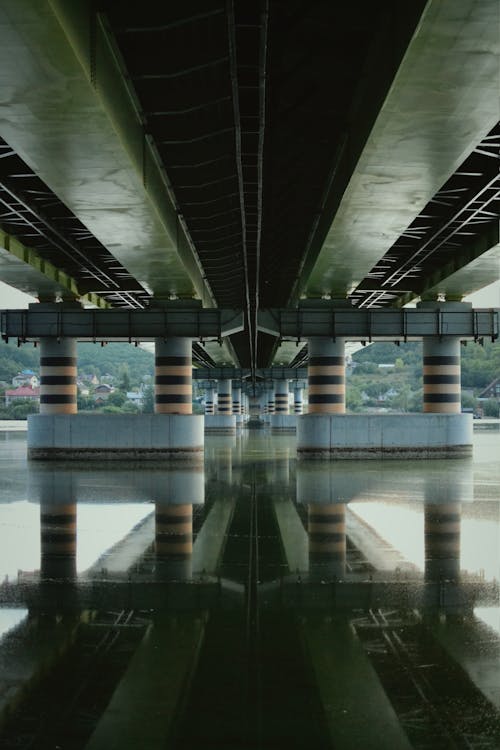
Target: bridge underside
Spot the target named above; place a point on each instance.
(248, 154)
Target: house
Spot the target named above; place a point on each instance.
(135, 397)
(25, 377)
(101, 393)
(23, 393)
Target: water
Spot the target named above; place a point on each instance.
(260, 603)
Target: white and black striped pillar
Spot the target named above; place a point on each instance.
(209, 400)
(441, 371)
(173, 376)
(281, 396)
(271, 404)
(327, 539)
(297, 400)
(224, 397)
(236, 395)
(326, 376)
(58, 376)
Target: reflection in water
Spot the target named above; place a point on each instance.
(254, 605)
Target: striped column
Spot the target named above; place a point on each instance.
(441, 375)
(173, 376)
(327, 538)
(58, 376)
(442, 541)
(224, 397)
(209, 400)
(271, 404)
(57, 526)
(236, 388)
(174, 538)
(297, 400)
(326, 376)
(281, 397)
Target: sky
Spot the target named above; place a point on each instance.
(11, 298)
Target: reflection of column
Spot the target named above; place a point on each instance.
(175, 492)
(173, 376)
(441, 375)
(326, 376)
(57, 526)
(442, 541)
(224, 397)
(174, 538)
(281, 397)
(58, 376)
(327, 539)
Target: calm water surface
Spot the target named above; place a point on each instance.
(259, 602)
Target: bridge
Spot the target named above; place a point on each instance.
(250, 167)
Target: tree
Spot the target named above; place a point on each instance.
(124, 377)
(148, 400)
(491, 408)
(117, 398)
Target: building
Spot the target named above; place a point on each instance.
(23, 393)
(25, 378)
(492, 390)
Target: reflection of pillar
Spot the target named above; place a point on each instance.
(57, 526)
(224, 397)
(174, 539)
(57, 376)
(327, 539)
(297, 399)
(209, 400)
(442, 541)
(441, 375)
(281, 397)
(326, 376)
(175, 492)
(173, 376)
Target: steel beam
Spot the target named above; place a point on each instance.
(235, 373)
(384, 324)
(118, 325)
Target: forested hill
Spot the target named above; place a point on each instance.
(480, 363)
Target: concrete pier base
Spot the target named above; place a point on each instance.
(388, 436)
(115, 436)
(283, 422)
(222, 424)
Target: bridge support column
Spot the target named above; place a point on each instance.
(281, 420)
(281, 397)
(326, 376)
(441, 373)
(237, 402)
(297, 399)
(224, 421)
(173, 376)
(58, 376)
(209, 400)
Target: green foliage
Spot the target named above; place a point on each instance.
(148, 400)
(491, 408)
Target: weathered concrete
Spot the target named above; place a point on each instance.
(283, 422)
(224, 424)
(115, 436)
(388, 436)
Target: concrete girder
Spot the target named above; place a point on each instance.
(67, 110)
(443, 101)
